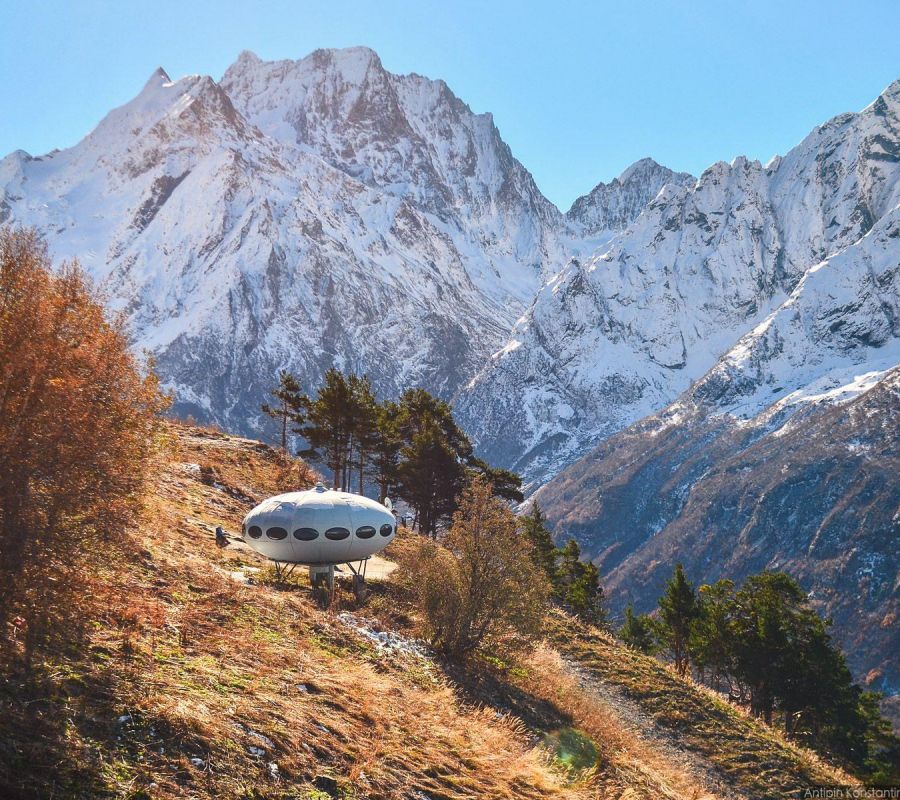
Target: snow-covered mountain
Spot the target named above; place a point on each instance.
(609, 208)
(784, 456)
(708, 366)
(617, 337)
(320, 212)
(301, 215)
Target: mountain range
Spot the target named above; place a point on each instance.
(682, 368)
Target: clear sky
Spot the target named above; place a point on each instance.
(579, 90)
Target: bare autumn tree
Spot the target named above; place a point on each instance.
(482, 588)
(77, 421)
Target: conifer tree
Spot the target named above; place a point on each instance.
(289, 406)
(326, 427)
(362, 424)
(638, 631)
(677, 612)
(712, 645)
(430, 477)
(386, 446)
(577, 585)
(544, 551)
(762, 611)
(505, 484)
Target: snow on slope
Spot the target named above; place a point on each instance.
(831, 340)
(300, 214)
(412, 138)
(784, 456)
(609, 208)
(237, 249)
(612, 340)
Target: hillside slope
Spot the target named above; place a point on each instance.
(807, 484)
(614, 338)
(197, 682)
(297, 214)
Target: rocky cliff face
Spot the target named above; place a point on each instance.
(609, 208)
(621, 335)
(784, 456)
(297, 215)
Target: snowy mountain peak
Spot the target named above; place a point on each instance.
(156, 79)
(612, 207)
(699, 266)
(247, 58)
(891, 93)
(640, 168)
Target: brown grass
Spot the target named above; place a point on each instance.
(746, 753)
(187, 669)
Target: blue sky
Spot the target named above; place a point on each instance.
(579, 90)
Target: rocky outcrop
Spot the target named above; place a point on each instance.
(616, 337)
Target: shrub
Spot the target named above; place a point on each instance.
(480, 587)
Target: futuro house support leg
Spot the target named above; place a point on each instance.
(330, 583)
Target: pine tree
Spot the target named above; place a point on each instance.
(362, 424)
(386, 446)
(577, 585)
(638, 631)
(711, 645)
(506, 485)
(762, 610)
(544, 551)
(327, 426)
(290, 405)
(677, 612)
(430, 477)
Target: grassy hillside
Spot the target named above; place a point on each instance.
(196, 682)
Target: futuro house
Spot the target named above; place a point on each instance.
(320, 528)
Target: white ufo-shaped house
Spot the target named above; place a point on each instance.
(319, 528)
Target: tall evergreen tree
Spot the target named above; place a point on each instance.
(288, 410)
(326, 427)
(505, 484)
(677, 612)
(762, 636)
(362, 421)
(386, 446)
(712, 645)
(544, 551)
(638, 631)
(430, 477)
(577, 585)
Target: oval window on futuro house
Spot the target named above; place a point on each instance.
(387, 530)
(365, 532)
(337, 534)
(276, 533)
(306, 534)
(254, 532)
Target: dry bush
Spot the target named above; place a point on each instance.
(77, 418)
(480, 588)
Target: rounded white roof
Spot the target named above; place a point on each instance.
(319, 526)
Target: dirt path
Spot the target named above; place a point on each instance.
(639, 724)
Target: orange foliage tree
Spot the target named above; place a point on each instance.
(480, 588)
(77, 421)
